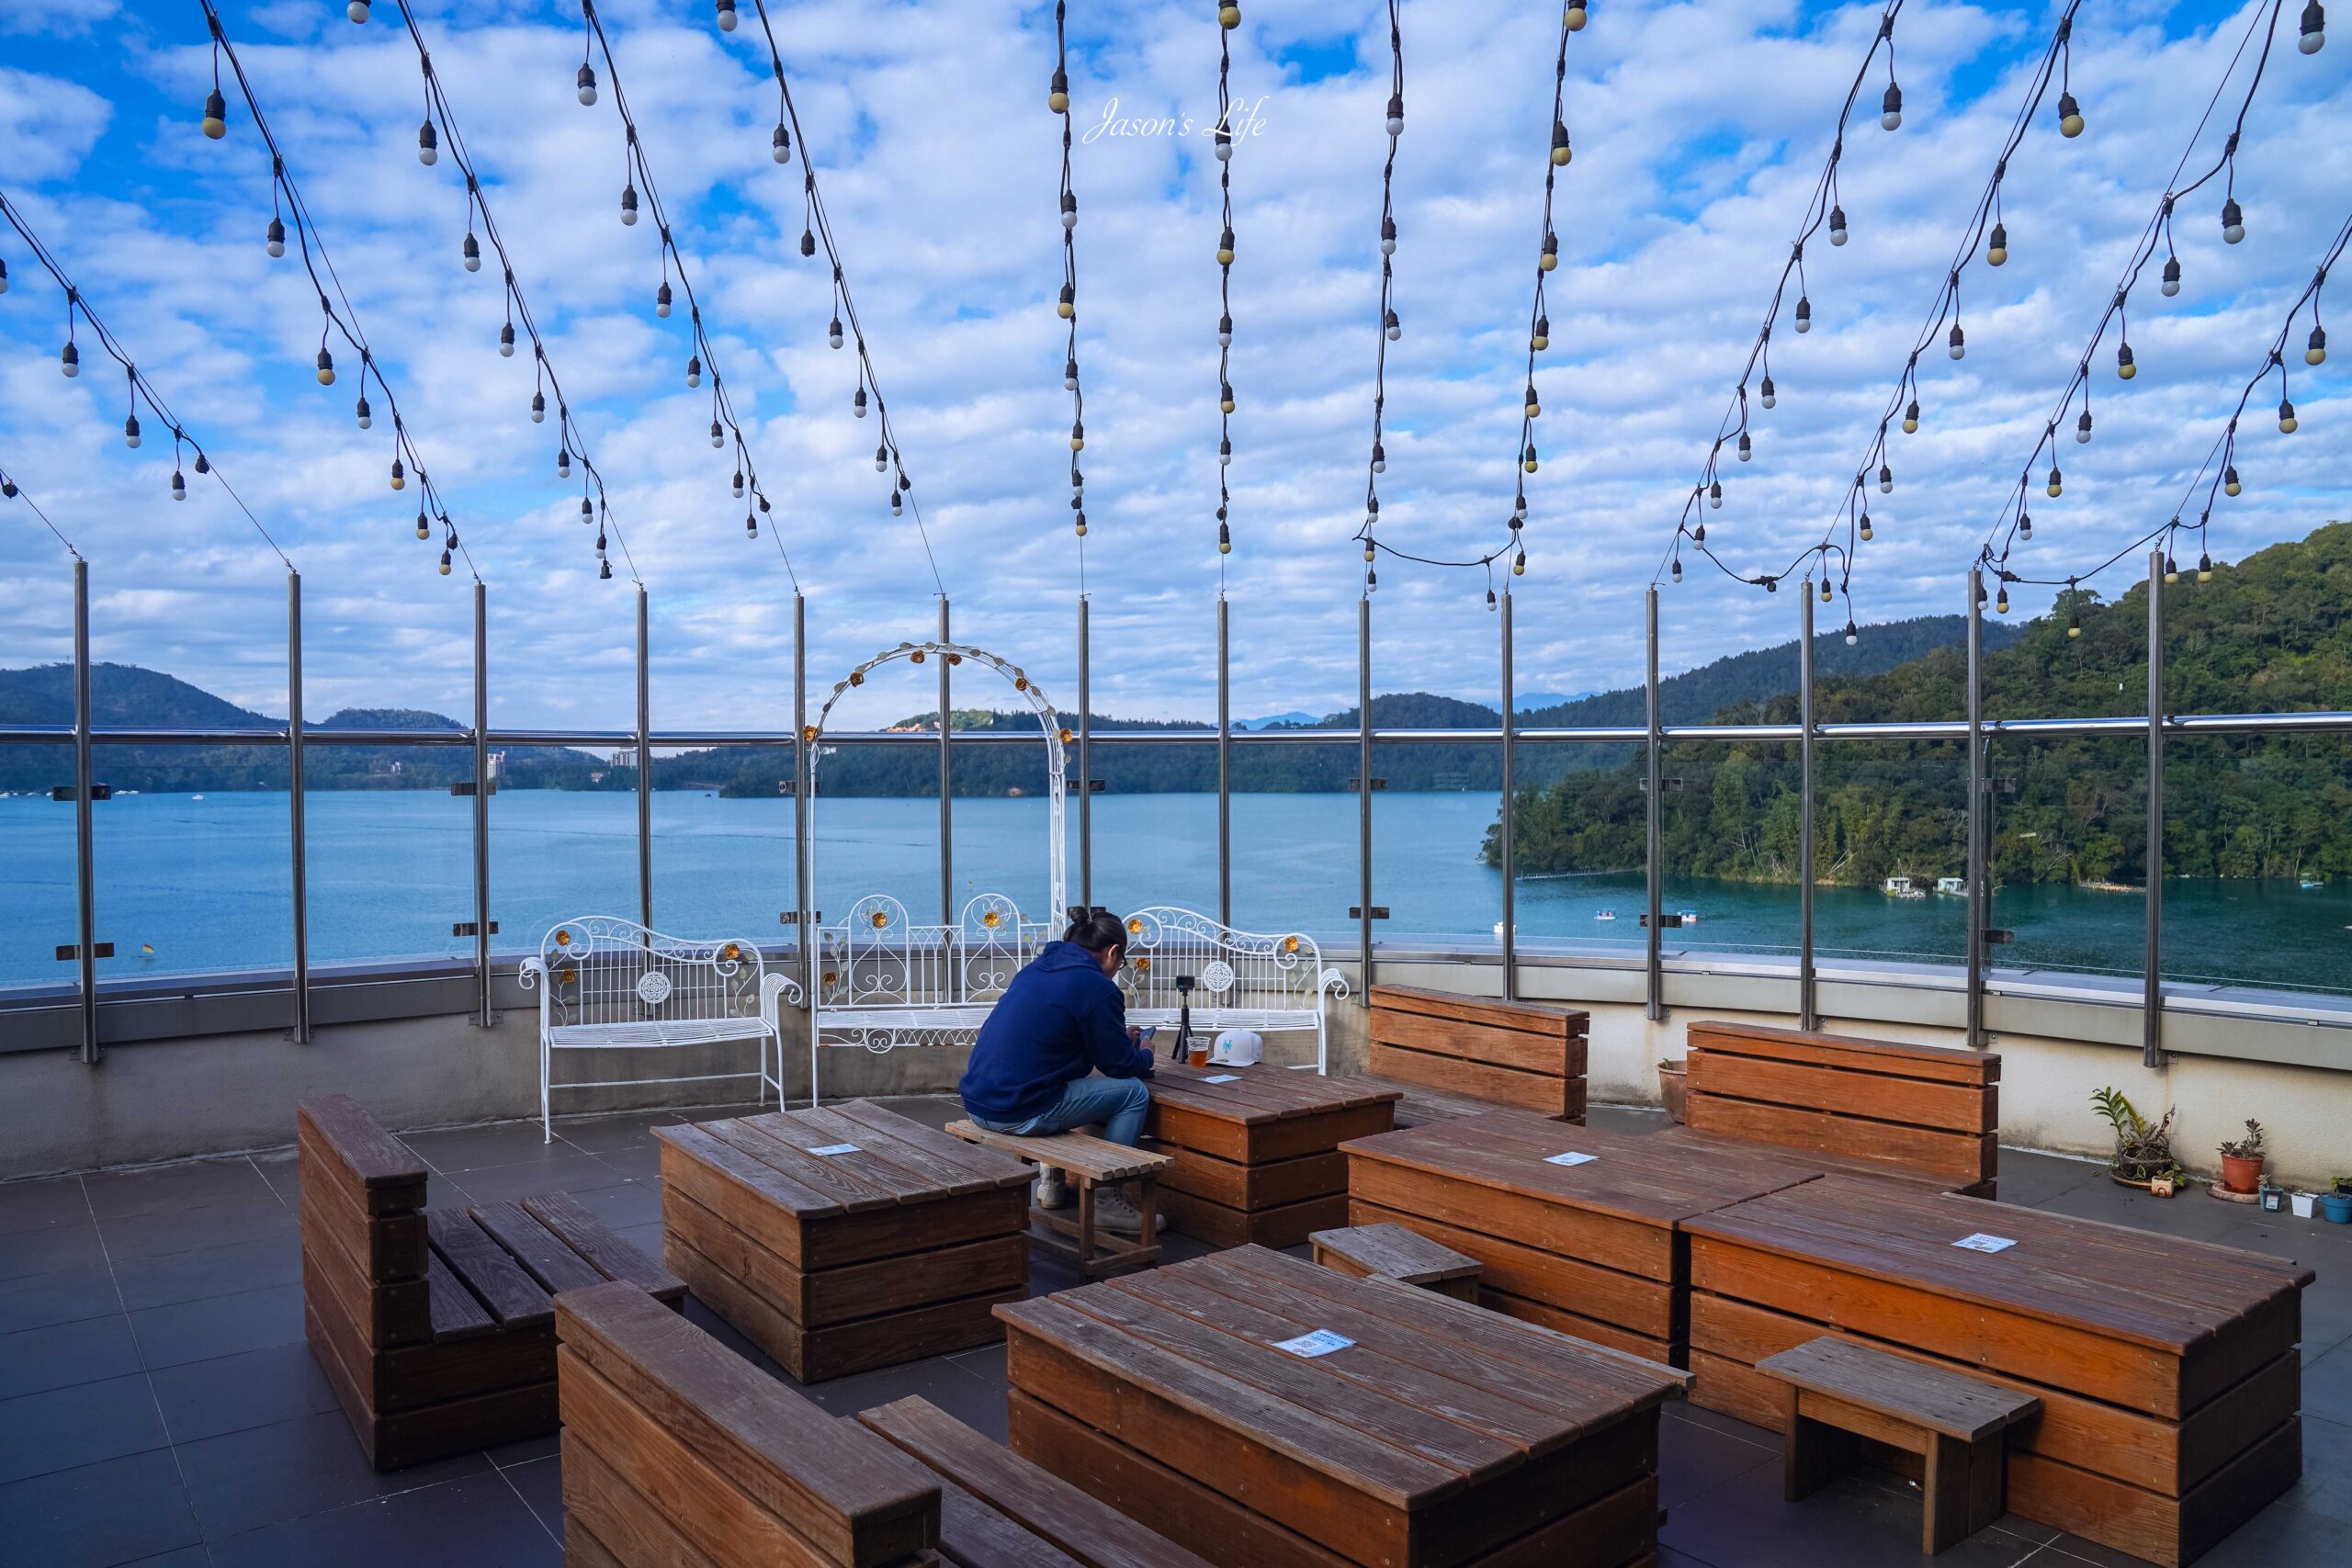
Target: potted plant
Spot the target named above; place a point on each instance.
(2143, 1148)
(1673, 1084)
(2242, 1160)
(2302, 1202)
(2336, 1205)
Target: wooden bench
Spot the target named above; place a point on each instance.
(1926, 1113)
(677, 1450)
(1087, 1162)
(435, 1326)
(1840, 1393)
(997, 1510)
(1396, 1253)
(1451, 1056)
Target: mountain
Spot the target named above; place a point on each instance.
(2272, 633)
(1294, 718)
(1528, 702)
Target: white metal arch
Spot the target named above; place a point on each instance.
(958, 654)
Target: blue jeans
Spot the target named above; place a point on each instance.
(1118, 1103)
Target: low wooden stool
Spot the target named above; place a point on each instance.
(1839, 1393)
(1401, 1253)
(1087, 1162)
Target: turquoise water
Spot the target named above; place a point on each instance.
(203, 881)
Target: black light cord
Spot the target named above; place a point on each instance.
(1057, 99)
(1388, 318)
(1224, 147)
(78, 305)
(9, 490)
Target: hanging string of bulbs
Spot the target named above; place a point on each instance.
(1524, 461)
(572, 443)
(2015, 525)
(817, 231)
(142, 390)
(1391, 328)
(1228, 18)
(2218, 474)
(1983, 233)
(1057, 100)
(285, 198)
(9, 491)
(1823, 209)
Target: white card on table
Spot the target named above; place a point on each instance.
(1571, 1159)
(1222, 1077)
(836, 1149)
(1979, 1241)
(1322, 1342)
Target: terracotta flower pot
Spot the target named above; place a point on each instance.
(1673, 1085)
(2240, 1173)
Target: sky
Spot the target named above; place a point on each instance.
(1699, 129)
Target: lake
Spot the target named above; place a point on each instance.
(202, 880)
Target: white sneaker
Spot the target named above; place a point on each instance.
(1114, 1213)
(1053, 1190)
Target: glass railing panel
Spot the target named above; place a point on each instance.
(391, 854)
(2069, 839)
(38, 876)
(1295, 826)
(195, 868)
(1436, 850)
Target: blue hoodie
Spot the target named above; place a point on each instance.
(1060, 1019)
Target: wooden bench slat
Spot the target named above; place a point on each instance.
(516, 1299)
(1847, 1090)
(868, 1162)
(766, 1183)
(1951, 1403)
(998, 1169)
(538, 1249)
(455, 1312)
(1947, 1063)
(1397, 1252)
(899, 1140)
(593, 1240)
(1098, 1160)
(375, 1160)
(1553, 1054)
(849, 1491)
(1533, 1017)
(1036, 1499)
(818, 1173)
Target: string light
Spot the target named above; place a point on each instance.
(1389, 329)
(1057, 102)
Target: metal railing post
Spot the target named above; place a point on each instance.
(1085, 762)
(1654, 852)
(481, 799)
(1808, 984)
(1980, 794)
(947, 783)
(644, 768)
(1509, 813)
(1363, 796)
(803, 918)
(85, 858)
(2152, 996)
(297, 836)
(1224, 769)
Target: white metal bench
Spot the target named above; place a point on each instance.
(608, 984)
(885, 982)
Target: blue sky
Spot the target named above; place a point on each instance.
(1699, 129)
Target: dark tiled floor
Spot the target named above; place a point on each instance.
(159, 1407)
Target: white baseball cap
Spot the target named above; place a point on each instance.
(1237, 1048)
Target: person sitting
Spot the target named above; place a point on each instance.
(1057, 1053)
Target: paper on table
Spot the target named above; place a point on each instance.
(1569, 1158)
(1979, 1241)
(1222, 1077)
(836, 1149)
(1321, 1342)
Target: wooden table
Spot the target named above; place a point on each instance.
(1594, 1248)
(844, 1239)
(1434, 1434)
(2167, 1369)
(1257, 1149)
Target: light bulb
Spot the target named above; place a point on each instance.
(1070, 210)
(399, 477)
(882, 457)
(2125, 365)
(2230, 485)
(1518, 564)
(70, 361)
(1534, 408)
(693, 370)
(1805, 313)
(2204, 568)
(1224, 539)
(1677, 569)
(1885, 479)
(1369, 550)
(1222, 143)
(1746, 447)
(725, 16)
(1772, 394)
(2316, 352)
(1772, 585)
(2314, 28)
(894, 503)
(216, 115)
(1081, 524)
(1864, 528)
(366, 415)
(1225, 400)
(1852, 635)
(470, 252)
(1959, 342)
(2074, 625)
(1836, 225)
(1891, 107)
(1528, 461)
(1225, 248)
(1225, 332)
(587, 83)
(1824, 590)
(2172, 570)
(780, 144)
(2057, 486)
(2001, 605)
(326, 368)
(857, 405)
(1396, 115)
(1911, 418)
(1715, 499)
(1066, 306)
(2082, 427)
(1542, 338)
(1057, 96)
(833, 332)
(718, 435)
(738, 484)
(1561, 151)
(1550, 258)
(2172, 277)
(277, 236)
(444, 555)
(203, 463)
(356, 10)
(661, 297)
(1575, 15)
(1225, 452)
(2025, 525)
(423, 530)
(1076, 437)
(4, 277)
(2233, 222)
(2070, 116)
(507, 341)
(1996, 252)
(1228, 16)
(1388, 236)
(2287, 421)
(587, 512)
(1393, 327)
(563, 462)
(428, 145)
(629, 203)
